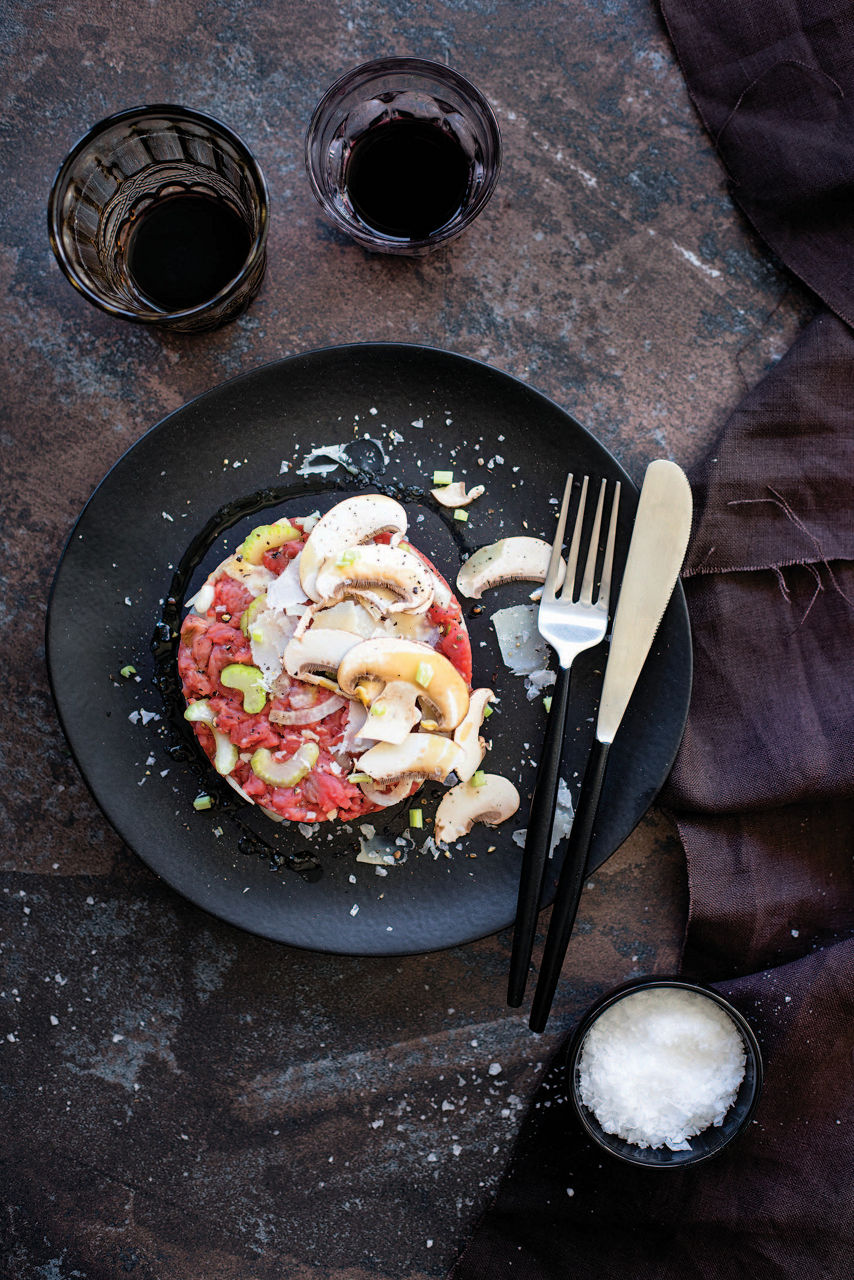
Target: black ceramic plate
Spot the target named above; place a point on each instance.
(241, 446)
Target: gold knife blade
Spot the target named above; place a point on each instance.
(656, 551)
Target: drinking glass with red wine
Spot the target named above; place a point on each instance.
(159, 214)
(403, 154)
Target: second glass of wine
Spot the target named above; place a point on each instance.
(403, 154)
(159, 215)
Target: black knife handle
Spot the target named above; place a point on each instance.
(569, 885)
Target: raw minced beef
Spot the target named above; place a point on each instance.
(213, 640)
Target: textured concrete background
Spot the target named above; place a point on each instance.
(181, 1099)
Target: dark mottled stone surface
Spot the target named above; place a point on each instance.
(181, 1099)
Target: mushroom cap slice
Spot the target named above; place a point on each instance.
(348, 524)
(404, 582)
(386, 798)
(492, 802)
(467, 734)
(420, 755)
(455, 495)
(316, 655)
(392, 714)
(434, 678)
(508, 560)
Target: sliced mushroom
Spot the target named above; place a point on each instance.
(420, 755)
(467, 734)
(435, 679)
(359, 569)
(386, 797)
(316, 655)
(508, 560)
(454, 495)
(492, 802)
(392, 713)
(374, 618)
(348, 524)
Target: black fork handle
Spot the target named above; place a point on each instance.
(538, 840)
(569, 887)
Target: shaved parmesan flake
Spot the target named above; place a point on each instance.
(286, 590)
(522, 647)
(269, 635)
(562, 820)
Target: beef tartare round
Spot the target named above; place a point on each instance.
(326, 666)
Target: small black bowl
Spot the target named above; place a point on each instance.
(705, 1144)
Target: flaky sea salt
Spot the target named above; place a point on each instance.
(659, 1066)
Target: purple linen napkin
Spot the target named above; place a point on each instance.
(763, 794)
(762, 787)
(773, 82)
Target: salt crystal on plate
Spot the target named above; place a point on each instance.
(658, 1067)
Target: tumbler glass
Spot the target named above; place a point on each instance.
(159, 215)
(403, 154)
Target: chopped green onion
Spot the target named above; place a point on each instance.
(203, 801)
(424, 674)
(416, 818)
(345, 559)
(487, 711)
(478, 778)
(128, 671)
(547, 702)
(356, 778)
(378, 709)
(460, 513)
(443, 477)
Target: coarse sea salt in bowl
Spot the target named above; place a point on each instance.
(664, 1073)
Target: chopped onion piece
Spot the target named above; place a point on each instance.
(308, 715)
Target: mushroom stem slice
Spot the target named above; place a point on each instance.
(492, 802)
(392, 714)
(420, 755)
(467, 734)
(518, 559)
(348, 524)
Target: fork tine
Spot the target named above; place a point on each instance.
(553, 570)
(608, 563)
(586, 593)
(572, 556)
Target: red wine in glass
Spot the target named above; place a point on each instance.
(407, 178)
(184, 248)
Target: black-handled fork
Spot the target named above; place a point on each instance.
(570, 626)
